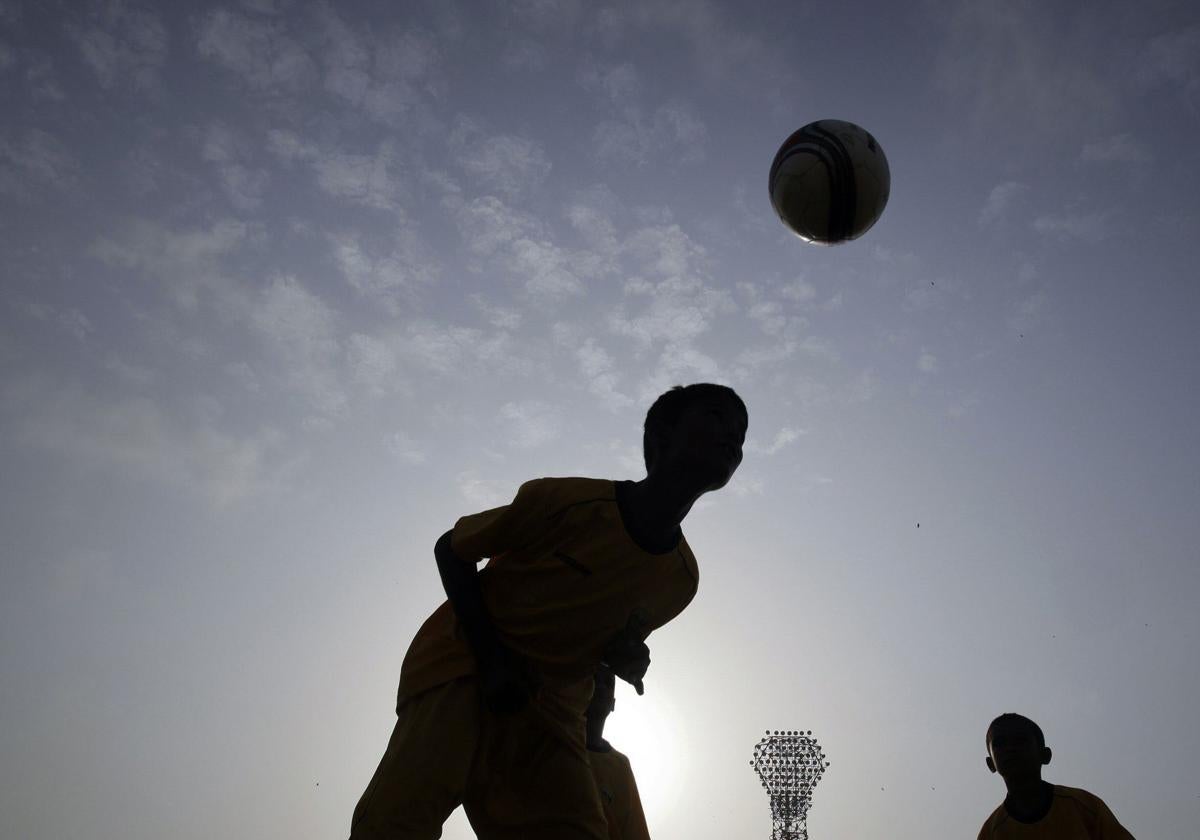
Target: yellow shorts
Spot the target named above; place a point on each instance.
(516, 778)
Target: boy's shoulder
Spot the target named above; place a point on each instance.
(994, 821)
(554, 493)
(1090, 805)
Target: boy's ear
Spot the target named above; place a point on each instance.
(991, 765)
(1046, 755)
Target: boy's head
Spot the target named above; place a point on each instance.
(1016, 748)
(696, 428)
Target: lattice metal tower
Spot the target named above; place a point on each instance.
(789, 763)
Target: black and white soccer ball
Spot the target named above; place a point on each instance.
(830, 182)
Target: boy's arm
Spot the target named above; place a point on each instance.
(503, 677)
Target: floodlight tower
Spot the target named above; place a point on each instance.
(789, 763)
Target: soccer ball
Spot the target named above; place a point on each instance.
(829, 182)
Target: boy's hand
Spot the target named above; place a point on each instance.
(627, 654)
(506, 681)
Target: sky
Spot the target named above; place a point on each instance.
(288, 287)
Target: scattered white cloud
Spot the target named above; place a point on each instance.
(229, 153)
(508, 164)
(599, 370)
(373, 363)
(243, 374)
(1012, 65)
(531, 423)
(130, 373)
(301, 328)
(124, 45)
(70, 319)
(1090, 227)
(1028, 312)
(139, 439)
(673, 133)
(262, 52)
(744, 484)
(927, 362)
(548, 272)
(1000, 201)
(785, 437)
(383, 74)
(391, 279)
(1119, 148)
(524, 54)
(371, 180)
(400, 444)
(41, 78)
(485, 493)
(186, 262)
(799, 291)
(501, 317)
(34, 162)
(1173, 58)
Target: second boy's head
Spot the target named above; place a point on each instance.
(1016, 748)
(696, 432)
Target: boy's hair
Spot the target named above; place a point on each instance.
(665, 411)
(1013, 717)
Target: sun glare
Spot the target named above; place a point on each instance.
(648, 730)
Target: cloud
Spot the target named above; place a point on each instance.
(531, 423)
(724, 53)
(34, 162)
(388, 280)
(1119, 148)
(382, 74)
(1090, 227)
(402, 446)
(139, 439)
(123, 45)
(243, 184)
(302, 330)
(600, 372)
(261, 52)
(184, 262)
(41, 79)
(1028, 312)
(1000, 200)
(1017, 65)
(505, 163)
(1173, 58)
(549, 272)
(485, 493)
(371, 180)
(71, 319)
(673, 134)
(927, 362)
(783, 438)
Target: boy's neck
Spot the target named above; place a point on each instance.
(653, 509)
(1029, 800)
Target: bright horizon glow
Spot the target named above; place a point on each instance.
(650, 731)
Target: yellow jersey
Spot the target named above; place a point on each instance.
(1074, 815)
(619, 795)
(563, 578)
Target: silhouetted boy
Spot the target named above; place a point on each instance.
(495, 684)
(1034, 809)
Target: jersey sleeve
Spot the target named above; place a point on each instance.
(491, 533)
(1108, 828)
(635, 817)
